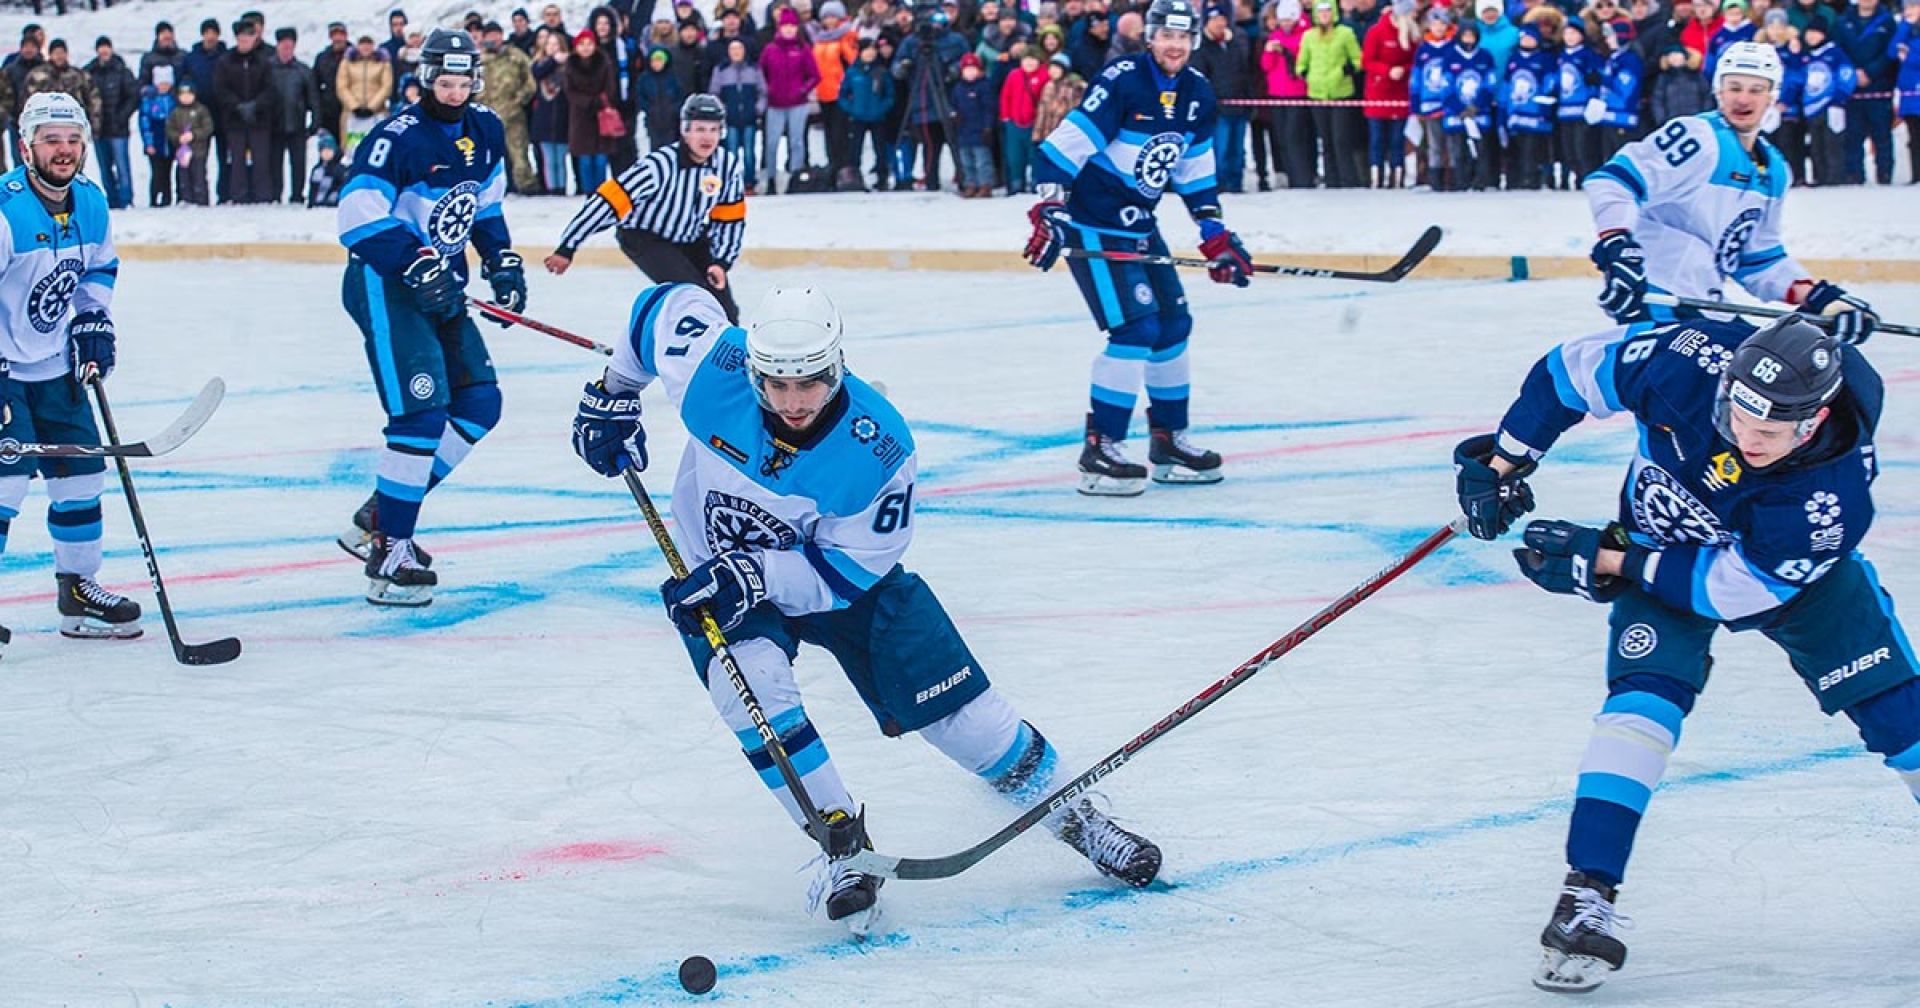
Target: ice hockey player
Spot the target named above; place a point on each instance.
(1145, 126)
(55, 295)
(1698, 203)
(796, 494)
(424, 183)
(1743, 508)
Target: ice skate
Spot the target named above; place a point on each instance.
(358, 538)
(89, 611)
(1175, 460)
(1578, 948)
(1115, 851)
(848, 894)
(395, 577)
(1105, 472)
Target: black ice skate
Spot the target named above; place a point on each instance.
(1105, 472)
(1175, 460)
(1578, 948)
(1117, 852)
(89, 611)
(395, 576)
(850, 895)
(358, 539)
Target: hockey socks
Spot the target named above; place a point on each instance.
(475, 411)
(406, 466)
(1633, 737)
(73, 520)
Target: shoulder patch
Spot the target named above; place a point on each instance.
(401, 123)
(1118, 67)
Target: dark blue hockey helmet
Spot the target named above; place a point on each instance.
(449, 52)
(1787, 370)
(1173, 15)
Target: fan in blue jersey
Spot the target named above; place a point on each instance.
(56, 290)
(424, 184)
(1744, 507)
(1145, 126)
(796, 496)
(1698, 203)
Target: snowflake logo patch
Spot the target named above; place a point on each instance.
(1669, 512)
(1733, 241)
(421, 386)
(47, 304)
(736, 523)
(1153, 169)
(1638, 641)
(863, 429)
(1713, 358)
(451, 219)
(1823, 508)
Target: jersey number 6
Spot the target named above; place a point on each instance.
(1674, 142)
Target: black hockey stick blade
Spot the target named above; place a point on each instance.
(218, 652)
(170, 437)
(1765, 311)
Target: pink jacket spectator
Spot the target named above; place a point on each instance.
(1282, 81)
(790, 69)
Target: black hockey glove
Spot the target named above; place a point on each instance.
(508, 275)
(1491, 502)
(1623, 268)
(90, 345)
(436, 290)
(1559, 557)
(728, 586)
(1853, 319)
(606, 431)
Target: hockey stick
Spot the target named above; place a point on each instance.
(718, 641)
(1765, 311)
(953, 864)
(172, 436)
(1423, 247)
(217, 652)
(492, 310)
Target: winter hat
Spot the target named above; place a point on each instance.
(585, 35)
(1528, 31)
(286, 35)
(787, 16)
(1405, 8)
(1289, 10)
(103, 41)
(1481, 5)
(162, 74)
(970, 60)
(1817, 23)
(1468, 27)
(833, 8)
(1214, 11)
(209, 23)
(1060, 60)
(1742, 4)
(160, 26)
(327, 142)
(186, 87)
(1776, 16)
(1574, 22)
(657, 53)
(1438, 16)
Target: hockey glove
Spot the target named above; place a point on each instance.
(436, 290)
(1853, 319)
(507, 272)
(1491, 502)
(727, 586)
(90, 345)
(606, 431)
(1049, 220)
(1623, 268)
(1229, 259)
(1559, 556)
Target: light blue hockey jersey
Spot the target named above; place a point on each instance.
(54, 268)
(827, 518)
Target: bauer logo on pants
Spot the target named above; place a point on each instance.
(1638, 641)
(421, 386)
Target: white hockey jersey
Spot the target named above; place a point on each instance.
(1704, 210)
(827, 518)
(54, 266)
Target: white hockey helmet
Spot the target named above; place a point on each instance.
(53, 108)
(1748, 59)
(795, 334)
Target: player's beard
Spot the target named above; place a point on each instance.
(58, 173)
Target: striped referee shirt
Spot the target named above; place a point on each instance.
(668, 195)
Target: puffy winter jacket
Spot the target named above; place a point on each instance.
(867, 92)
(1382, 52)
(973, 111)
(119, 96)
(743, 91)
(790, 71)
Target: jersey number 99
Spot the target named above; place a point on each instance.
(1674, 142)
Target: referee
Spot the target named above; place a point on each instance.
(682, 209)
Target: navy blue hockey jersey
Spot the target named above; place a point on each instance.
(1137, 134)
(417, 183)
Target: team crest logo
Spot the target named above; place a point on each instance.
(1638, 641)
(1819, 79)
(1143, 294)
(709, 185)
(735, 523)
(466, 147)
(1670, 512)
(1167, 98)
(1713, 358)
(1469, 87)
(421, 386)
(1823, 508)
(47, 304)
(1522, 87)
(1734, 240)
(451, 219)
(1723, 471)
(863, 429)
(1153, 169)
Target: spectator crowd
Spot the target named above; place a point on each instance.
(1451, 94)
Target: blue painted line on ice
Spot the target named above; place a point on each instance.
(661, 985)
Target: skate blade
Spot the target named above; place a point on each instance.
(1564, 974)
(1174, 475)
(88, 628)
(357, 542)
(386, 593)
(861, 925)
(1096, 485)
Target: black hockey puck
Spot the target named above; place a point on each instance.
(697, 974)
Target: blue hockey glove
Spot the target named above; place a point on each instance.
(1853, 319)
(1491, 502)
(436, 290)
(90, 345)
(1049, 220)
(1623, 269)
(728, 586)
(1231, 263)
(1559, 556)
(508, 275)
(606, 431)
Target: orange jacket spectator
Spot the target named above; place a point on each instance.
(835, 46)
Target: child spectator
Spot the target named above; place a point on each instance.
(156, 104)
(1467, 119)
(1906, 53)
(1019, 100)
(744, 93)
(973, 118)
(1387, 56)
(1620, 91)
(328, 175)
(1062, 95)
(190, 132)
(1678, 89)
(1830, 81)
(1789, 132)
(658, 98)
(1735, 26)
(1527, 106)
(866, 95)
(1429, 91)
(1583, 72)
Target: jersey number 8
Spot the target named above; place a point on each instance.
(1674, 142)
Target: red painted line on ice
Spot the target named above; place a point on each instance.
(590, 851)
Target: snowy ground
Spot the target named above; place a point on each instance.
(521, 797)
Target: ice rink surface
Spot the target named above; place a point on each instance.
(520, 796)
